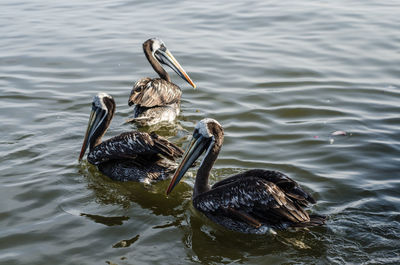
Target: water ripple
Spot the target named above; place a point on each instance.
(280, 77)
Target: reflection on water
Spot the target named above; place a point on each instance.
(219, 242)
(126, 243)
(150, 197)
(280, 78)
(110, 221)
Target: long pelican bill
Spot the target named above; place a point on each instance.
(168, 59)
(196, 147)
(97, 116)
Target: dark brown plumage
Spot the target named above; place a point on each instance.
(251, 202)
(130, 156)
(157, 99)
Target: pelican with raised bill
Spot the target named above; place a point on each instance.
(157, 99)
(130, 156)
(255, 201)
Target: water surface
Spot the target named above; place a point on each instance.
(280, 77)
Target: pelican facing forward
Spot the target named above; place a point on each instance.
(130, 156)
(157, 99)
(254, 201)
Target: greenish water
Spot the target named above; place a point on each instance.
(279, 76)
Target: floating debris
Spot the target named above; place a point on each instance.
(338, 133)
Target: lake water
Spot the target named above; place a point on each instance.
(280, 76)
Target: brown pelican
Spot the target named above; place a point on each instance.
(157, 99)
(255, 201)
(130, 156)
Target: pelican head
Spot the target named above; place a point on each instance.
(159, 51)
(207, 137)
(103, 108)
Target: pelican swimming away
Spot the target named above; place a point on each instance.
(157, 99)
(255, 201)
(130, 156)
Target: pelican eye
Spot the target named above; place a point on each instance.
(196, 133)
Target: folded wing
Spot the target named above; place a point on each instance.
(286, 184)
(133, 145)
(253, 199)
(149, 93)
